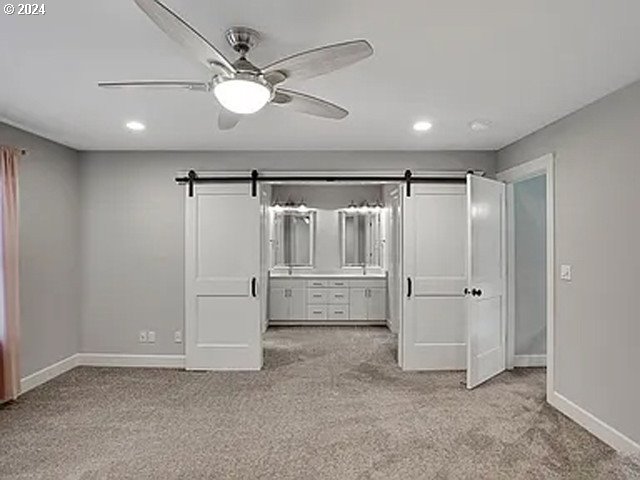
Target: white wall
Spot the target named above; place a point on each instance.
(132, 224)
(597, 195)
(327, 200)
(530, 203)
(49, 209)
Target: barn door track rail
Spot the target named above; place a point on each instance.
(254, 177)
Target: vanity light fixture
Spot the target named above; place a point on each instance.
(290, 206)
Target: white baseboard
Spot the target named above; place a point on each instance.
(48, 373)
(530, 360)
(98, 360)
(603, 431)
(123, 360)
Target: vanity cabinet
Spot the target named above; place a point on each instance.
(287, 302)
(368, 303)
(315, 300)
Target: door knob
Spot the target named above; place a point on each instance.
(476, 292)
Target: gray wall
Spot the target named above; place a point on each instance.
(530, 204)
(49, 203)
(132, 225)
(597, 195)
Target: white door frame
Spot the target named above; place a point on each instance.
(534, 168)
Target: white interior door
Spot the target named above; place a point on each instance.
(485, 299)
(433, 330)
(222, 267)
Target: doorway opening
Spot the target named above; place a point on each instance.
(331, 270)
(530, 240)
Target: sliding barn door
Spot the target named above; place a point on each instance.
(433, 332)
(222, 267)
(486, 287)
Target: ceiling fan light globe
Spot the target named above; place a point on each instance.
(242, 95)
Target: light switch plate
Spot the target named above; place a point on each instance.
(142, 336)
(151, 336)
(177, 336)
(565, 272)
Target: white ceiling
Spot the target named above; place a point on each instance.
(519, 63)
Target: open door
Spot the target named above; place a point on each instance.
(485, 292)
(222, 267)
(433, 328)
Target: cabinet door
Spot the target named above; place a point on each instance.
(278, 304)
(358, 304)
(297, 304)
(377, 304)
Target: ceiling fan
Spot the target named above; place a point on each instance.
(241, 87)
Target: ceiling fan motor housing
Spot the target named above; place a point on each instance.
(242, 39)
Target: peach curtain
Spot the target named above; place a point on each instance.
(9, 303)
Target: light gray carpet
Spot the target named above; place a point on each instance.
(330, 403)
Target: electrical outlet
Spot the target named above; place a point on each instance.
(151, 336)
(177, 336)
(142, 336)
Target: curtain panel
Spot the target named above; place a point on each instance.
(9, 292)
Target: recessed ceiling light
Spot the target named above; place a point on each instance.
(135, 126)
(480, 125)
(422, 126)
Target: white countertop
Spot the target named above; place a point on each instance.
(327, 275)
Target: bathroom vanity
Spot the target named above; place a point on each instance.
(327, 299)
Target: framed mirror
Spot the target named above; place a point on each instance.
(360, 237)
(294, 238)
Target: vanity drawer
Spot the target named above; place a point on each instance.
(369, 283)
(339, 283)
(317, 283)
(317, 295)
(339, 313)
(339, 295)
(317, 312)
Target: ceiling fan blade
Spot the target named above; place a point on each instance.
(161, 84)
(227, 120)
(320, 61)
(183, 33)
(301, 102)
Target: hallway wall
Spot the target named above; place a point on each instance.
(530, 212)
